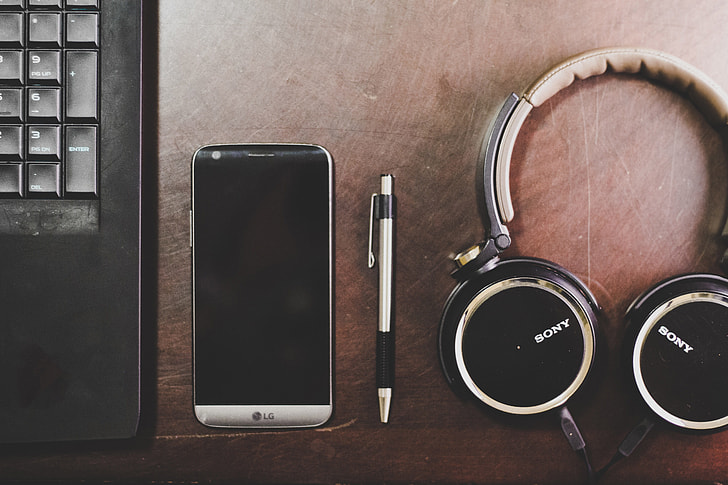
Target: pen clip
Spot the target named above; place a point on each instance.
(372, 259)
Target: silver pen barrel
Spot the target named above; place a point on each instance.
(383, 209)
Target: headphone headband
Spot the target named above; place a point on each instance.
(652, 64)
(708, 97)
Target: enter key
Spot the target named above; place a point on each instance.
(81, 161)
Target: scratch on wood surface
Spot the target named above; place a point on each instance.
(341, 426)
(588, 190)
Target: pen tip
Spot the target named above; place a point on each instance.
(385, 400)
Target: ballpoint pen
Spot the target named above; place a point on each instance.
(382, 207)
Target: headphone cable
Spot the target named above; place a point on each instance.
(573, 435)
(628, 445)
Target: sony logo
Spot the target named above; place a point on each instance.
(674, 339)
(550, 332)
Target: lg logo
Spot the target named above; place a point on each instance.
(258, 416)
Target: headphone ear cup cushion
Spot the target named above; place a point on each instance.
(676, 350)
(498, 336)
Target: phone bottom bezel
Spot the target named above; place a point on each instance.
(266, 416)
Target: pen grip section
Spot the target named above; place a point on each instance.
(385, 359)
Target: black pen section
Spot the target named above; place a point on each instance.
(385, 360)
(384, 206)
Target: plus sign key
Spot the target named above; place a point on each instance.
(81, 86)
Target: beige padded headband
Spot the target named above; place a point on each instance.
(710, 99)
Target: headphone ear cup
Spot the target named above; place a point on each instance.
(520, 337)
(677, 350)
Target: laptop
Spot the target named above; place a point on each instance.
(70, 186)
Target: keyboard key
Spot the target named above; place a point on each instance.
(11, 105)
(81, 85)
(44, 67)
(11, 142)
(44, 29)
(82, 29)
(82, 4)
(43, 179)
(12, 4)
(11, 180)
(45, 4)
(11, 29)
(86, 4)
(11, 67)
(44, 142)
(44, 104)
(80, 142)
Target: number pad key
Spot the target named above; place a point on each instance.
(44, 67)
(11, 105)
(12, 4)
(82, 29)
(44, 142)
(11, 142)
(82, 4)
(11, 67)
(44, 104)
(45, 4)
(44, 29)
(12, 32)
(81, 86)
(81, 160)
(11, 180)
(44, 180)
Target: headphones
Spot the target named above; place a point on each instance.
(520, 335)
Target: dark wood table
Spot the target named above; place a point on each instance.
(618, 179)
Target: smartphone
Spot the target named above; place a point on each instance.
(262, 285)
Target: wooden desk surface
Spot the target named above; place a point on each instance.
(619, 180)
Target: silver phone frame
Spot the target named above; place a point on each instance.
(266, 416)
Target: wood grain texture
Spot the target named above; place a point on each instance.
(618, 179)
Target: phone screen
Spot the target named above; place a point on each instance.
(262, 275)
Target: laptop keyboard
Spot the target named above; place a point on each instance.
(70, 217)
(49, 98)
